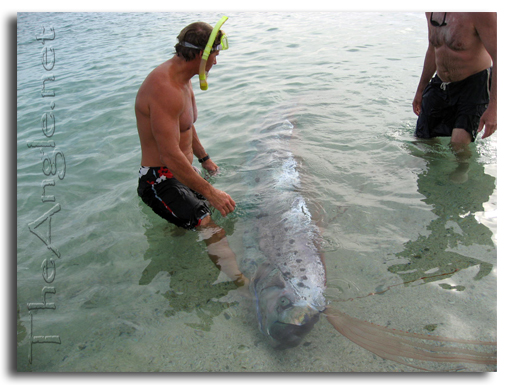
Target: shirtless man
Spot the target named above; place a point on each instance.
(166, 112)
(460, 100)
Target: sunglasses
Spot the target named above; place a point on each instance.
(435, 23)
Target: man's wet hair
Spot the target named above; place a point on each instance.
(197, 34)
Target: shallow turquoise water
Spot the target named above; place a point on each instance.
(134, 294)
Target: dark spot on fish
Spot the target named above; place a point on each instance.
(307, 343)
(304, 277)
(287, 273)
(430, 327)
(301, 284)
(286, 229)
(291, 241)
(298, 260)
(302, 269)
(261, 216)
(257, 179)
(226, 316)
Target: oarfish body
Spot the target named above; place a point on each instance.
(288, 287)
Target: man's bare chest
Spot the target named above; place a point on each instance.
(456, 37)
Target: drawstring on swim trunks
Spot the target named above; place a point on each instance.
(443, 85)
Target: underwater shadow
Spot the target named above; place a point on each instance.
(454, 203)
(192, 275)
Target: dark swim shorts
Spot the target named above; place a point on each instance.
(446, 106)
(170, 199)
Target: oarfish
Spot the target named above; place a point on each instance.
(288, 286)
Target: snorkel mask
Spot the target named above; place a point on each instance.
(207, 51)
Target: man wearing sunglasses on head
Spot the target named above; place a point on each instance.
(460, 100)
(166, 112)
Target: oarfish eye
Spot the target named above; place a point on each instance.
(284, 302)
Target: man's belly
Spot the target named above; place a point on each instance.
(456, 66)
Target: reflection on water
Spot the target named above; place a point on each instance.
(435, 256)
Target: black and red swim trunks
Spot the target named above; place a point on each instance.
(446, 106)
(170, 199)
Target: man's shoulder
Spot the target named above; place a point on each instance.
(159, 85)
(158, 77)
(487, 19)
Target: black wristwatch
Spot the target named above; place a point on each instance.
(204, 159)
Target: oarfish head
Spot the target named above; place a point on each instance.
(284, 315)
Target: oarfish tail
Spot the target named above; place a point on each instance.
(396, 345)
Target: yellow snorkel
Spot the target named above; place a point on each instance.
(207, 51)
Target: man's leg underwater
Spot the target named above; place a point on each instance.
(219, 250)
(460, 145)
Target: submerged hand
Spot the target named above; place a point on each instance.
(211, 167)
(221, 201)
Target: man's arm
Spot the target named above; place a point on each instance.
(164, 118)
(429, 68)
(485, 24)
(200, 153)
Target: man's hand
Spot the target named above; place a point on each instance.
(416, 104)
(211, 167)
(221, 201)
(488, 120)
